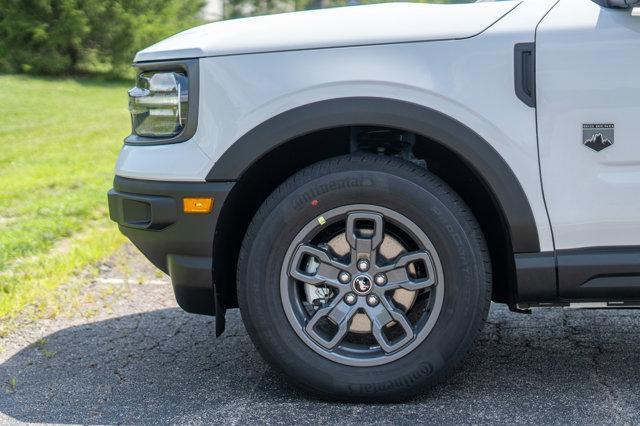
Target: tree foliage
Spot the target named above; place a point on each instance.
(58, 37)
(243, 8)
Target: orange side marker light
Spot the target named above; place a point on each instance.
(197, 205)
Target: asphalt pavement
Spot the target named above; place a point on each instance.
(143, 360)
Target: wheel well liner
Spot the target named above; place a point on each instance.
(476, 152)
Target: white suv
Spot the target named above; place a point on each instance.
(363, 181)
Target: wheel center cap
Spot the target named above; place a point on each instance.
(362, 285)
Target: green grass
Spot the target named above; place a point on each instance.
(59, 139)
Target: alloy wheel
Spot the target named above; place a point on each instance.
(362, 285)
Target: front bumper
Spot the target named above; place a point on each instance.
(150, 214)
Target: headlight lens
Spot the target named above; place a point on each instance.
(159, 104)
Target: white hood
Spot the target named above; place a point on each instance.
(336, 27)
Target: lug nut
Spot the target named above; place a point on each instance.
(363, 265)
(372, 300)
(350, 298)
(344, 277)
(380, 279)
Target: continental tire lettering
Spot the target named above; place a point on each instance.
(350, 182)
(425, 370)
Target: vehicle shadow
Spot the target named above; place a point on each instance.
(166, 366)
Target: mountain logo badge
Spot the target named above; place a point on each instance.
(597, 136)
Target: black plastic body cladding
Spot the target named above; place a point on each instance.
(476, 152)
(150, 214)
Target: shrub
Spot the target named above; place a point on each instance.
(61, 37)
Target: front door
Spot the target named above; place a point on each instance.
(588, 106)
(588, 88)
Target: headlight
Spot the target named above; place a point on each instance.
(159, 104)
(164, 102)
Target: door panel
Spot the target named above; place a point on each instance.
(588, 79)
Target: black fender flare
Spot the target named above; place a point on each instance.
(481, 157)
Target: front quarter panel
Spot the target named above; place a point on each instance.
(469, 80)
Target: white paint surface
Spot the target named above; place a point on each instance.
(334, 27)
(588, 59)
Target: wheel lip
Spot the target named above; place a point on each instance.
(419, 237)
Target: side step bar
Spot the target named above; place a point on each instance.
(582, 305)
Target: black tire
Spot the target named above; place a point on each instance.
(396, 185)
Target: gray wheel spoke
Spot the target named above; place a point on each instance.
(327, 272)
(383, 314)
(398, 276)
(364, 247)
(340, 314)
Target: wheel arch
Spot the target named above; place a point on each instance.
(241, 162)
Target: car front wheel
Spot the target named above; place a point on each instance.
(364, 278)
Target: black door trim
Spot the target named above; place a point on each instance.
(598, 274)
